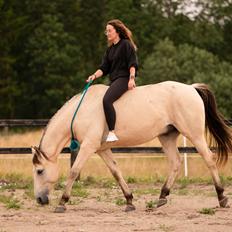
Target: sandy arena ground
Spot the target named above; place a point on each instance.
(99, 212)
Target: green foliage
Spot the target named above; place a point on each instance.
(48, 48)
(52, 55)
(188, 64)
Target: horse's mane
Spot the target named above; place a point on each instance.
(57, 113)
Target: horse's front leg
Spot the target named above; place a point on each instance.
(112, 165)
(86, 150)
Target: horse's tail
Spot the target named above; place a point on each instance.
(216, 124)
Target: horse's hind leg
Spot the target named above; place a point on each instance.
(107, 156)
(168, 142)
(209, 158)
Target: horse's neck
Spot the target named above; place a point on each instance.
(58, 132)
(54, 139)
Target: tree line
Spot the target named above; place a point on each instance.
(48, 48)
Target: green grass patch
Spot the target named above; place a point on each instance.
(99, 198)
(30, 193)
(74, 202)
(147, 191)
(151, 204)
(165, 228)
(16, 181)
(89, 180)
(182, 192)
(131, 180)
(108, 183)
(9, 202)
(185, 181)
(208, 211)
(79, 191)
(226, 180)
(120, 201)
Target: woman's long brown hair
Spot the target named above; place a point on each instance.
(122, 30)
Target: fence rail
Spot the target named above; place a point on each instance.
(27, 150)
(23, 122)
(41, 122)
(6, 123)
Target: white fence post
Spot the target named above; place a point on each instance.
(185, 158)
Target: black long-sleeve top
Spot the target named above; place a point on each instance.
(118, 59)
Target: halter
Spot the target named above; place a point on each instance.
(74, 145)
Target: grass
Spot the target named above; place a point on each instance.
(208, 211)
(16, 181)
(10, 202)
(131, 180)
(182, 192)
(165, 228)
(151, 204)
(79, 191)
(74, 202)
(120, 201)
(151, 191)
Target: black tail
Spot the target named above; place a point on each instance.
(216, 124)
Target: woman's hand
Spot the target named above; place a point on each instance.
(91, 78)
(131, 84)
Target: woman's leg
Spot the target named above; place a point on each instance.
(114, 92)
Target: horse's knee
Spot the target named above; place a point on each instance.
(176, 166)
(115, 175)
(74, 174)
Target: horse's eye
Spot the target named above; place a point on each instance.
(40, 172)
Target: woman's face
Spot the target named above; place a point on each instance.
(111, 33)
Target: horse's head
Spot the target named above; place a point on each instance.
(45, 175)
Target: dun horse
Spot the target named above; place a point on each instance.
(162, 110)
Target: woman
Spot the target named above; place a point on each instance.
(120, 62)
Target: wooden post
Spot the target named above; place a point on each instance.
(5, 130)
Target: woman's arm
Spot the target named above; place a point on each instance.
(132, 72)
(96, 75)
(131, 83)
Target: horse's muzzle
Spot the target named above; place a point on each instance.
(42, 198)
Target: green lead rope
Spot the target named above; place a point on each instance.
(74, 145)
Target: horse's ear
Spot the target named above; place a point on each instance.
(36, 155)
(33, 150)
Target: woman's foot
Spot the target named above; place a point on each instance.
(111, 137)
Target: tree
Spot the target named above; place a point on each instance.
(188, 64)
(10, 26)
(52, 72)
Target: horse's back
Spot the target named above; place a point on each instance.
(145, 111)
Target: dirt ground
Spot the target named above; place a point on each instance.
(102, 211)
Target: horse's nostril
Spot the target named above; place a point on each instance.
(42, 200)
(39, 200)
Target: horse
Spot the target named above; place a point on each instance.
(164, 110)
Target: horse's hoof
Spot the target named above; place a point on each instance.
(223, 203)
(60, 209)
(129, 208)
(161, 202)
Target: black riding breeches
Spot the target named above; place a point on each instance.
(114, 92)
